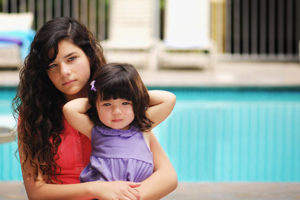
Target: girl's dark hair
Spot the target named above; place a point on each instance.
(117, 80)
(38, 103)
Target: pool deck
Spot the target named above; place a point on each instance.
(231, 74)
(225, 74)
(195, 191)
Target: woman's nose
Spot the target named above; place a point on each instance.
(65, 69)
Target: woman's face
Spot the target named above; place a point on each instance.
(70, 71)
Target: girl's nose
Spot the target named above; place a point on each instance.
(116, 110)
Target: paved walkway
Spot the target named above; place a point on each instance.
(233, 74)
(229, 74)
(236, 191)
(195, 191)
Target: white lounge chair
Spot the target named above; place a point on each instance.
(15, 38)
(186, 34)
(131, 32)
(7, 135)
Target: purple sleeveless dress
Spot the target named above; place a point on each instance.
(121, 155)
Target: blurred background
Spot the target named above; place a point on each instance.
(266, 30)
(233, 65)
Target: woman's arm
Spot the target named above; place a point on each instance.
(161, 105)
(164, 179)
(75, 113)
(39, 189)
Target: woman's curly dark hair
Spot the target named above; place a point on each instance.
(38, 103)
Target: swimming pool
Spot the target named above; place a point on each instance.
(219, 134)
(9, 163)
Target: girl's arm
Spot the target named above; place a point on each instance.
(75, 113)
(39, 189)
(164, 179)
(161, 105)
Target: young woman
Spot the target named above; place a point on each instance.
(63, 57)
(114, 118)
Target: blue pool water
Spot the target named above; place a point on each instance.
(234, 134)
(9, 162)
(217, 134)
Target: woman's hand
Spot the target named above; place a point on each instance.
(115, 190)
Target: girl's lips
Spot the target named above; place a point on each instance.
(116, 120)
(68, 82)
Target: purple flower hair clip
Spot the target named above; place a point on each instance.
(93, 88)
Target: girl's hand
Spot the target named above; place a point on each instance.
(119, 190)
(75, 113)
(161, 105)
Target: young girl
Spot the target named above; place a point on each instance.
(116, 124)
(63, 57)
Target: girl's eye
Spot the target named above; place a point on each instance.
(106, 104)
(126, 103)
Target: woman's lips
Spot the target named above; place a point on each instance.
(68, 82)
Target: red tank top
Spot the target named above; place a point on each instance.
(73, 154)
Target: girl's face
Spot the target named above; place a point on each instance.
(115, 113)
(70, 71)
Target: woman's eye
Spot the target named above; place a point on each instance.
(126, 103)
(106, 104)
(51, 66)
(72, 58)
